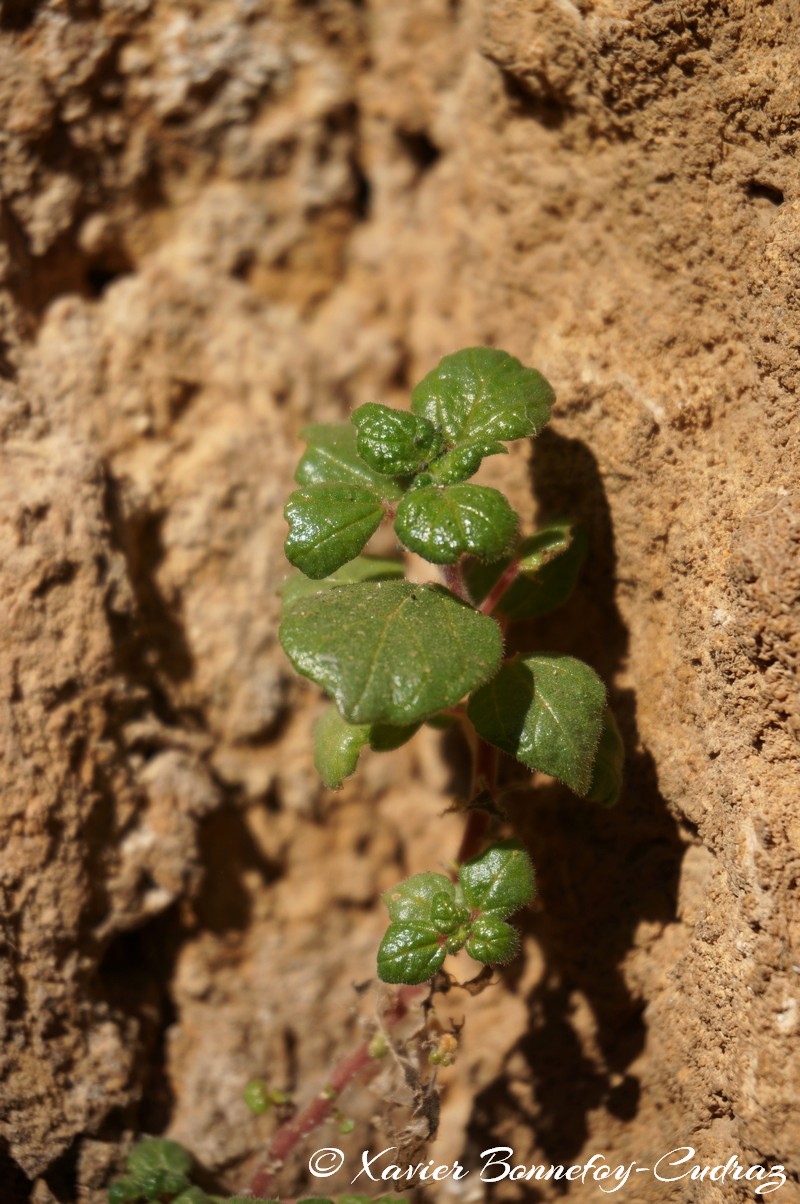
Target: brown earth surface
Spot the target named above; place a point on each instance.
(218, 220)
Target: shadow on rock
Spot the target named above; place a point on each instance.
(600, 873)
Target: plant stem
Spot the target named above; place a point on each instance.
(290, 1134)
(484, 778)
(500, 587)
(299, 1127)
(454, 581)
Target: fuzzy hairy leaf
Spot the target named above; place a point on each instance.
(500, 879)
(442, 524)
(393, 441)
(124, 1191)
(447, 914)
(363, 568)
(481, 394)
(547, 711)
(549, 564)
(463, 461)
(329, 525)
(608, 765)
(390, 651)
(492, 941)
(410, 953)
(338, 744)
(332, 456)
(158, 1153)
(412, 900)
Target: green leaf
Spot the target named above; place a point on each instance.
(549, 564)
(447, 914)
(153, 1184)
(329, 525)
(123, 1191)
(409, 953)
(463, 461)
(412, 900)
(158, 1153)
(393, 441)
(363, 568)
(608, 765)
(390, 651)
(337, 744)
(492, 941)
(547, 711)
(194, 1195)
(481, 394)
(332, 456)
(499, 880)
(385, 737)
(442, 524)
(257, 1097)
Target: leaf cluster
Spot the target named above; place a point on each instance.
(413, 466)
(160, 1169)
(157, 1168)
(392, 654)
(432, 916)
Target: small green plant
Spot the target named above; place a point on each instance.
(157, 1169)
(393, 654)
(160, 1170)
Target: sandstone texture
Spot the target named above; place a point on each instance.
(222, 219)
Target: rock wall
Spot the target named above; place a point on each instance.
(219, 219)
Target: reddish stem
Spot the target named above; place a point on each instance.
(500, 587)
(299, 1127)
(477, 823)
(484, 777)
(455, 582)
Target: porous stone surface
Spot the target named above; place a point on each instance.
(222, 220)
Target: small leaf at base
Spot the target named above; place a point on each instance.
(492, 941)
(158, 1153)
(338, 744)
(409, 953)
(500, 879)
